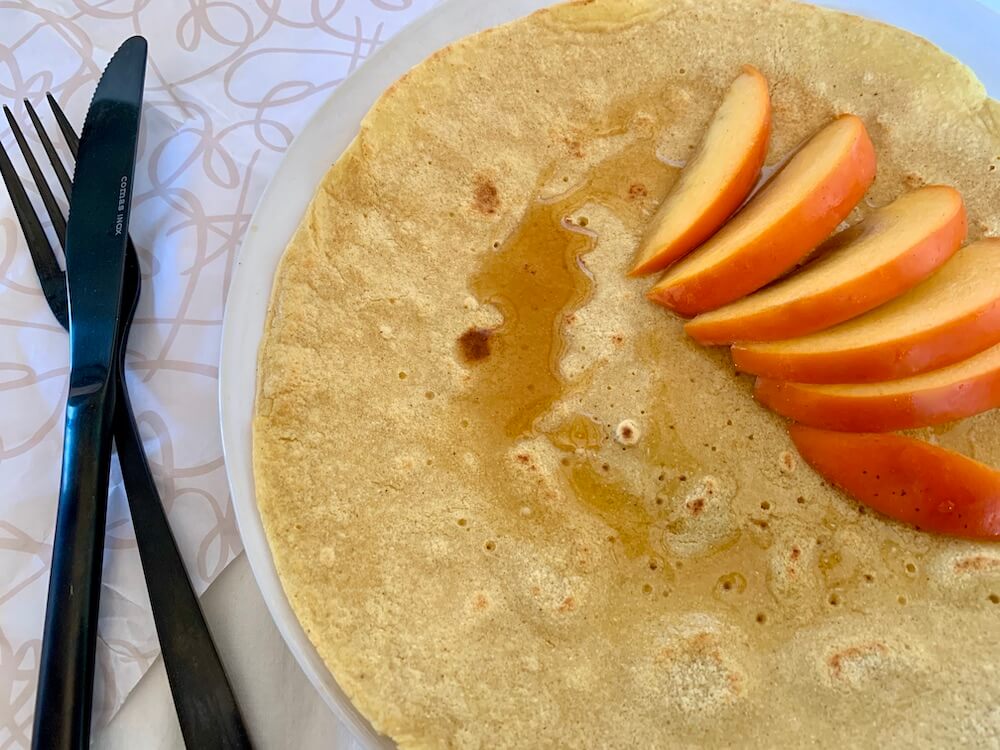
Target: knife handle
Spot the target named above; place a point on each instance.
(66, 675)
(206, 708)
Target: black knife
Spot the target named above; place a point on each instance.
(96, 234)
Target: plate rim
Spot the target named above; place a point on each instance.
(291, 187)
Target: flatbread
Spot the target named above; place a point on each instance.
(511, 504)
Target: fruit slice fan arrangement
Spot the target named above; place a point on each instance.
(887, 325)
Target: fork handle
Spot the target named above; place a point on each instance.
(207, 711)
(66, 676)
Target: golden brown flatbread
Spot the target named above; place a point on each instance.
(511, 504)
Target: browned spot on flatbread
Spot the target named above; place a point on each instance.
(786, 462)
(977, 564)
(696, 506)
(574, 146)
(485, 196)
(583, 557)
(480, 602)
(637, 190)
(702, 653)
(854, 655)
(568, 604)
(474, 344)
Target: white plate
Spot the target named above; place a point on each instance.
(962, 27)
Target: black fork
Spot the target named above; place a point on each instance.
(206, 709)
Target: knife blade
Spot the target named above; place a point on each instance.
(96, 234)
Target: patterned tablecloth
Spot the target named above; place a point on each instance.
(229, 83)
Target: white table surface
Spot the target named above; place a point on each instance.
(281, 707)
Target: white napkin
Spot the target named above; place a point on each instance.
(227, 87)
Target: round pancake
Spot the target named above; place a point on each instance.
(510, 502)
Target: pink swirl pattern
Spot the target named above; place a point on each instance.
(229, 83)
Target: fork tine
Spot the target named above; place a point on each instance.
(50, 276)
(70, 136)
(50, 151)
(48, 199)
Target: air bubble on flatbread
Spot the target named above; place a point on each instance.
(702, 518)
